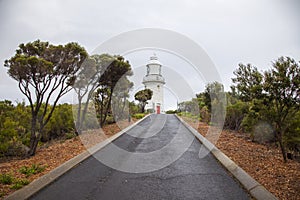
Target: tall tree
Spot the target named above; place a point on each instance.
(282, 85)
(87, 81)
(114, 69)
(45, 73)
(143, 96)
(248, 82)
(215, 99)
(120, 103)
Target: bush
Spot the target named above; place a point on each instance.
(34, 169)
(6, 179)
(110, 120)
(292, 137)
(60, 123)
(19, 184)
(138, 115)
(171, 112)
(14, 128)
(204, 114)
(70, 135)
(235, 115)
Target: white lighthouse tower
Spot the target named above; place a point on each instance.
(155, 82)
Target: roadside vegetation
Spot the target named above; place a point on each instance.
(265, 106)
(45, 73)
(261, 126)
(15, 183)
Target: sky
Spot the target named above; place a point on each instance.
(229, 31)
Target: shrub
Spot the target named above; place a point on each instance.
(171, 112)
(138, 115)
(19, 184)
(204, 114)
(6, 179)
(70, 135)
(235, 115)
(110, 120)
(60, 123)
(34, 169)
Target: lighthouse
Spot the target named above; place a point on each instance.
(155, 82)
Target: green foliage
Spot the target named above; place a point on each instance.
(138, 115)
(70, 135)
(110, 119)
(215, 100)
(60, 124)
(188, 115)
(171, 112)
(274, 99)
(248, 82)
(189, 106)
(133, 108)
(292, 139)
(115, 70)
(14, 127)
(6, 179)
(44, 72)
(235, 114)
(33, 169)
(143, 96)
(19, 183)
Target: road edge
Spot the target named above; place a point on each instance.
(42, 182)
(255, 189)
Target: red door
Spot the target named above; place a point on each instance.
(158, 109)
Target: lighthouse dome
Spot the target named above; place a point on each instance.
(154, 60)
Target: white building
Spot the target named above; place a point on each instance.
(155, 82)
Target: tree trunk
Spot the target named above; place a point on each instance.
(33, 137)
(107, 108)
(279, 136)
(78, 120)
(33, 145)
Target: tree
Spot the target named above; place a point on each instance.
(143, 96)
(45, 73)
(87, 81)
(190, 106)
(120, 103)
(115, 69)
(282, 87)
(235, 114)
(248, 82)
(273, 96)
(213, 92)
(215, 99)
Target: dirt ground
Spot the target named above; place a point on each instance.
(263, 163)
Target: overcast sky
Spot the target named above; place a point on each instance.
(247, 31)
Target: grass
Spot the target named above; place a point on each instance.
(6, 179)
(19, 183)
(9, 179)
(138, 115)
(191, 116)
(34, 169)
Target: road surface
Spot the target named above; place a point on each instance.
(169, 173)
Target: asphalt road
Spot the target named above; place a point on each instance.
(158, 159)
